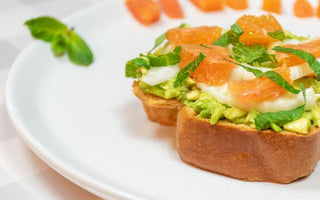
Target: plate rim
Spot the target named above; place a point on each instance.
(77, 177)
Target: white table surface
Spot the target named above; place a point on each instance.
(23, 176)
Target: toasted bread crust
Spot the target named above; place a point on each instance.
(234, 150)
(160, 110)
(243, 153)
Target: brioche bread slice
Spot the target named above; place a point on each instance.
(241, 152)
(158, 109)
(234, 150)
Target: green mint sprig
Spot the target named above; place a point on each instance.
(278, 35)
(256, 55)
(286, 35)
(308, 57)
(62, 39)
(149, 61)
(269, 119)
(274, 76)
(192, 66)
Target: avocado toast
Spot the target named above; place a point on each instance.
(244, 99)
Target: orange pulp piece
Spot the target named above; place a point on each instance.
(302, 8)
(272, 6)
(172, 8)
(318, 10)
(237, 4)
(196, 35)
(213, 70)
(289, 59)
(256, 29)
(146, 12)
(258, 89)
(209, 5)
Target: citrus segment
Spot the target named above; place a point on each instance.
(256, 29)
(145, 11)
(171, 8)
(318, 10)
(209, 5)
(289, 60)
(237, 4)
(197, 35)
(258, 89)
(272, 6)
(213, 70)
(302, 8)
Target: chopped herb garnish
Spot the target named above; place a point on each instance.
(308, 57)
(192, 66)
(223, 40)
(205, 46)
(274, 76)
(171, 58)
(133, 65)
(290, 36)
(278, 35)
(237, 29)
(184, 25)
(266, 120)
(159, 41)
(277, 78)
(256, 55)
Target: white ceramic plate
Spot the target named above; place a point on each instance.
(86, 123)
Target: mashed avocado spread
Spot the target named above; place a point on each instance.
(209, 108)
(258, 57)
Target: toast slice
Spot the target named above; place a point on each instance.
(158, 109)
(238, 151)
(241, 152)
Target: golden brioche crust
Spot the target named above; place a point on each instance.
(241, 152)
(160, 110)
(234, 150)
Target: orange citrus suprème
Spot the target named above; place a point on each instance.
(256, 29)
(302, 8)
(259, 89)
(145, 11)
(312, 46)
(196, 35)
(272, 6)
(213, 70)
(237, 4)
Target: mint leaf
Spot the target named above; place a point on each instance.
(256, 55)
(46, 28)
(235, 28)
(78, 50)
(223, 40)
(289, 36)
(274, 76)
(258, 73)
(133, 65)
(159, 41)
(184, 25)
(192, 66)
(308, 57)
(278, 35)
(59, 45)
(52, 30)
(265, 120)
(277, 78)
(171, 58)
